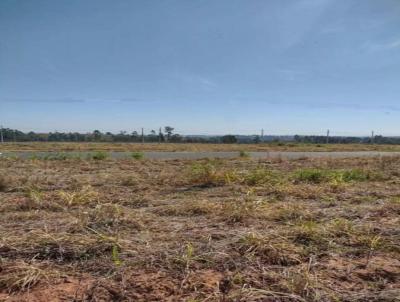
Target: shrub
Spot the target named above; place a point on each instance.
(244, 154)
(100, 155)
(137, 155)
(204, 173)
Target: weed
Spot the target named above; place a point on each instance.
(188, 256)
(115, 255)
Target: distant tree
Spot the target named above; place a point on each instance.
(176, 138)
(229, 139)
(256, 139)
(96, 135)
(168, 130)
(134, 136)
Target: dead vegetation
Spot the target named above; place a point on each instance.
(60, 148)
(86, 229)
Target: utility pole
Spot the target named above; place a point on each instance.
(327, 136)
(372, 137)
(142, 136)
(159, 136)
(1, 134)
(262, 135)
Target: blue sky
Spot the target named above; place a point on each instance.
(202, 66)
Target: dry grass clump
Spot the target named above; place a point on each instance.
(84, 196)
(206, 174)
(108, 218)
(33, 199)
(130, 181)
(317, 176)
(18, 276)
(60, 247)
(211, 174)
(244, 209)
(289, 212)
(188, 208)
(270, 249)
(262, 176)
(3, 183)
(388, 208)
(312, 236)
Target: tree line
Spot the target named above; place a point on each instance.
(377, 139)
(168, 134)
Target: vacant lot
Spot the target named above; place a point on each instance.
(206, 230)
(59, 147)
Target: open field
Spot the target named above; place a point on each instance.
(199, 230)
(130, 147)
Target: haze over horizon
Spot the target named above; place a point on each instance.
(203, 67)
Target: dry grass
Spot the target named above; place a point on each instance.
(219, 230)
(137, 148)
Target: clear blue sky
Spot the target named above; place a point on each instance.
(202, 66)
